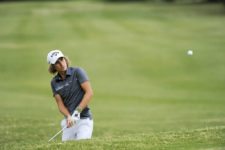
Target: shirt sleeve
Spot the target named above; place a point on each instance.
(53, 88)
(81, 75)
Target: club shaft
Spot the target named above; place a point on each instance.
(57, 133)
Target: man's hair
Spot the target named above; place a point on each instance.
(52, 69)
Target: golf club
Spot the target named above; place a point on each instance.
(57, 133)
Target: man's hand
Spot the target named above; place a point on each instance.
(76, 116)
(70, 121)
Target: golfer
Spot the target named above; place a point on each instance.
(72, 91)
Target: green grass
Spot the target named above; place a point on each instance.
(148, 93)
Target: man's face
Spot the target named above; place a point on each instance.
(61, 65)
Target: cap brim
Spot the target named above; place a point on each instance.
(55, 60)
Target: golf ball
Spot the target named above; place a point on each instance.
(189, 52)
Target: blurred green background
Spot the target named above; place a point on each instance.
(148, 93)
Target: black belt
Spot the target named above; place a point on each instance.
(90, 117)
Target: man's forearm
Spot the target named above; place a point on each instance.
(85, 101)
(64, 111)
(61, 106)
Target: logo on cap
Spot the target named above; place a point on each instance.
(54, 54)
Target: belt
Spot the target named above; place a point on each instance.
(90, 117)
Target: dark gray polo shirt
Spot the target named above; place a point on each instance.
(70, 89)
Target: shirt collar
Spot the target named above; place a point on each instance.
(68, 73)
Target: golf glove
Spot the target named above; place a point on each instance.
(76, 116)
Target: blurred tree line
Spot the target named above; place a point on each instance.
(167, 1)
(171, 1)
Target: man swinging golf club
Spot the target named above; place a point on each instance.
(72, 91)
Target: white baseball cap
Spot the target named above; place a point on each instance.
(53, 56)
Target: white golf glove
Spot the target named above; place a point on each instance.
(76, 116)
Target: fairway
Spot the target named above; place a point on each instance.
(148, 93)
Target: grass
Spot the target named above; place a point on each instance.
(148, 93)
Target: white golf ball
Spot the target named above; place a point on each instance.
(190, 52)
